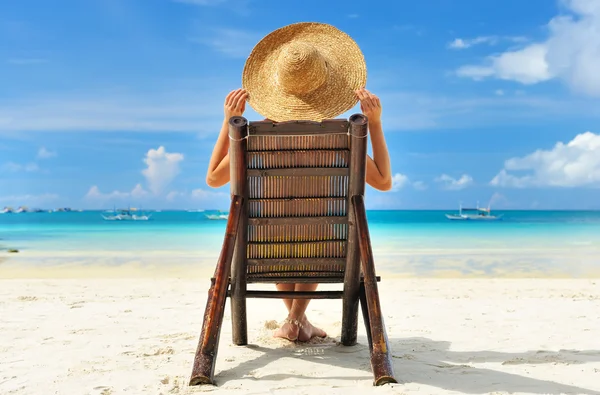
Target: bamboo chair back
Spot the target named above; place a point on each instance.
(297, 183)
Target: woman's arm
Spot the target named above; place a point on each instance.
(218, 167)
(379, 172)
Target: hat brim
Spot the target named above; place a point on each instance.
(347, 72)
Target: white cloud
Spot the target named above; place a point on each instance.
(498, 199)
(173, 195)
(477, 73)
(44, 153)
(18, 200)
(399, 181)
(499, 92)
(419, 185)
(190, 109)
(162, 168)
(203, 194)
(451, 183)
(138, 192)
(527, 66)
(199, 194)
(199, 197)
(202, 114)
(94, 193)
(570, 53)
(234, 43)
(16, 167)
(460, 43)
(574, 164)
(423, 111)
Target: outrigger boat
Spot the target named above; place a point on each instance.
(474, 214)
(220, 215)
(126, 215)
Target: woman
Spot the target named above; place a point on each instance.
(378, 175)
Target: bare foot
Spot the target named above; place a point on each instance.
(308, 331)
(289, 330)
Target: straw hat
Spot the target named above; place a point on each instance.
(304, 71)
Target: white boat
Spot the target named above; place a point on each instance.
(220, 215)
(21, 209)
(7, 210)
(474, 214)
(126, 215)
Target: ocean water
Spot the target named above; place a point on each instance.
(407, 243)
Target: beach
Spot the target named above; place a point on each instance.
(98, 307)
(138, 335)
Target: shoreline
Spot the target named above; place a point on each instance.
(199, 264)
(189, 271)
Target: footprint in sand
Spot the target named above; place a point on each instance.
(27, 298)
(404, 356)
(160, 351)
(103, 390)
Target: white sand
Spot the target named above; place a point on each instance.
(448, 336)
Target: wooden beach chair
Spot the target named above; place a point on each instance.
(297, 215)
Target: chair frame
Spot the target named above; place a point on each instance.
(230, 277)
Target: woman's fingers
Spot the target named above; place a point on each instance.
(373, 99)
(229, 97)
(236, 97)
(233, 96)
(361, 94)
(241, 99)
(366, 97)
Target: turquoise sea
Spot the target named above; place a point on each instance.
(407, 243)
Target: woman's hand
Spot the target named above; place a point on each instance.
(369, 105)
(235, 103)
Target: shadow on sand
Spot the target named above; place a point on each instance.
(425, 361)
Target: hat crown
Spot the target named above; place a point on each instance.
(301, 69)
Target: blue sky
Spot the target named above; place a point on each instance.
(116, 102)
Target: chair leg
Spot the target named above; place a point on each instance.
(365, 314)
(206, 353)
(239, 330)
(381, 362)
(351, 291)
(239, 323)
(350, 303)
(379, 348)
